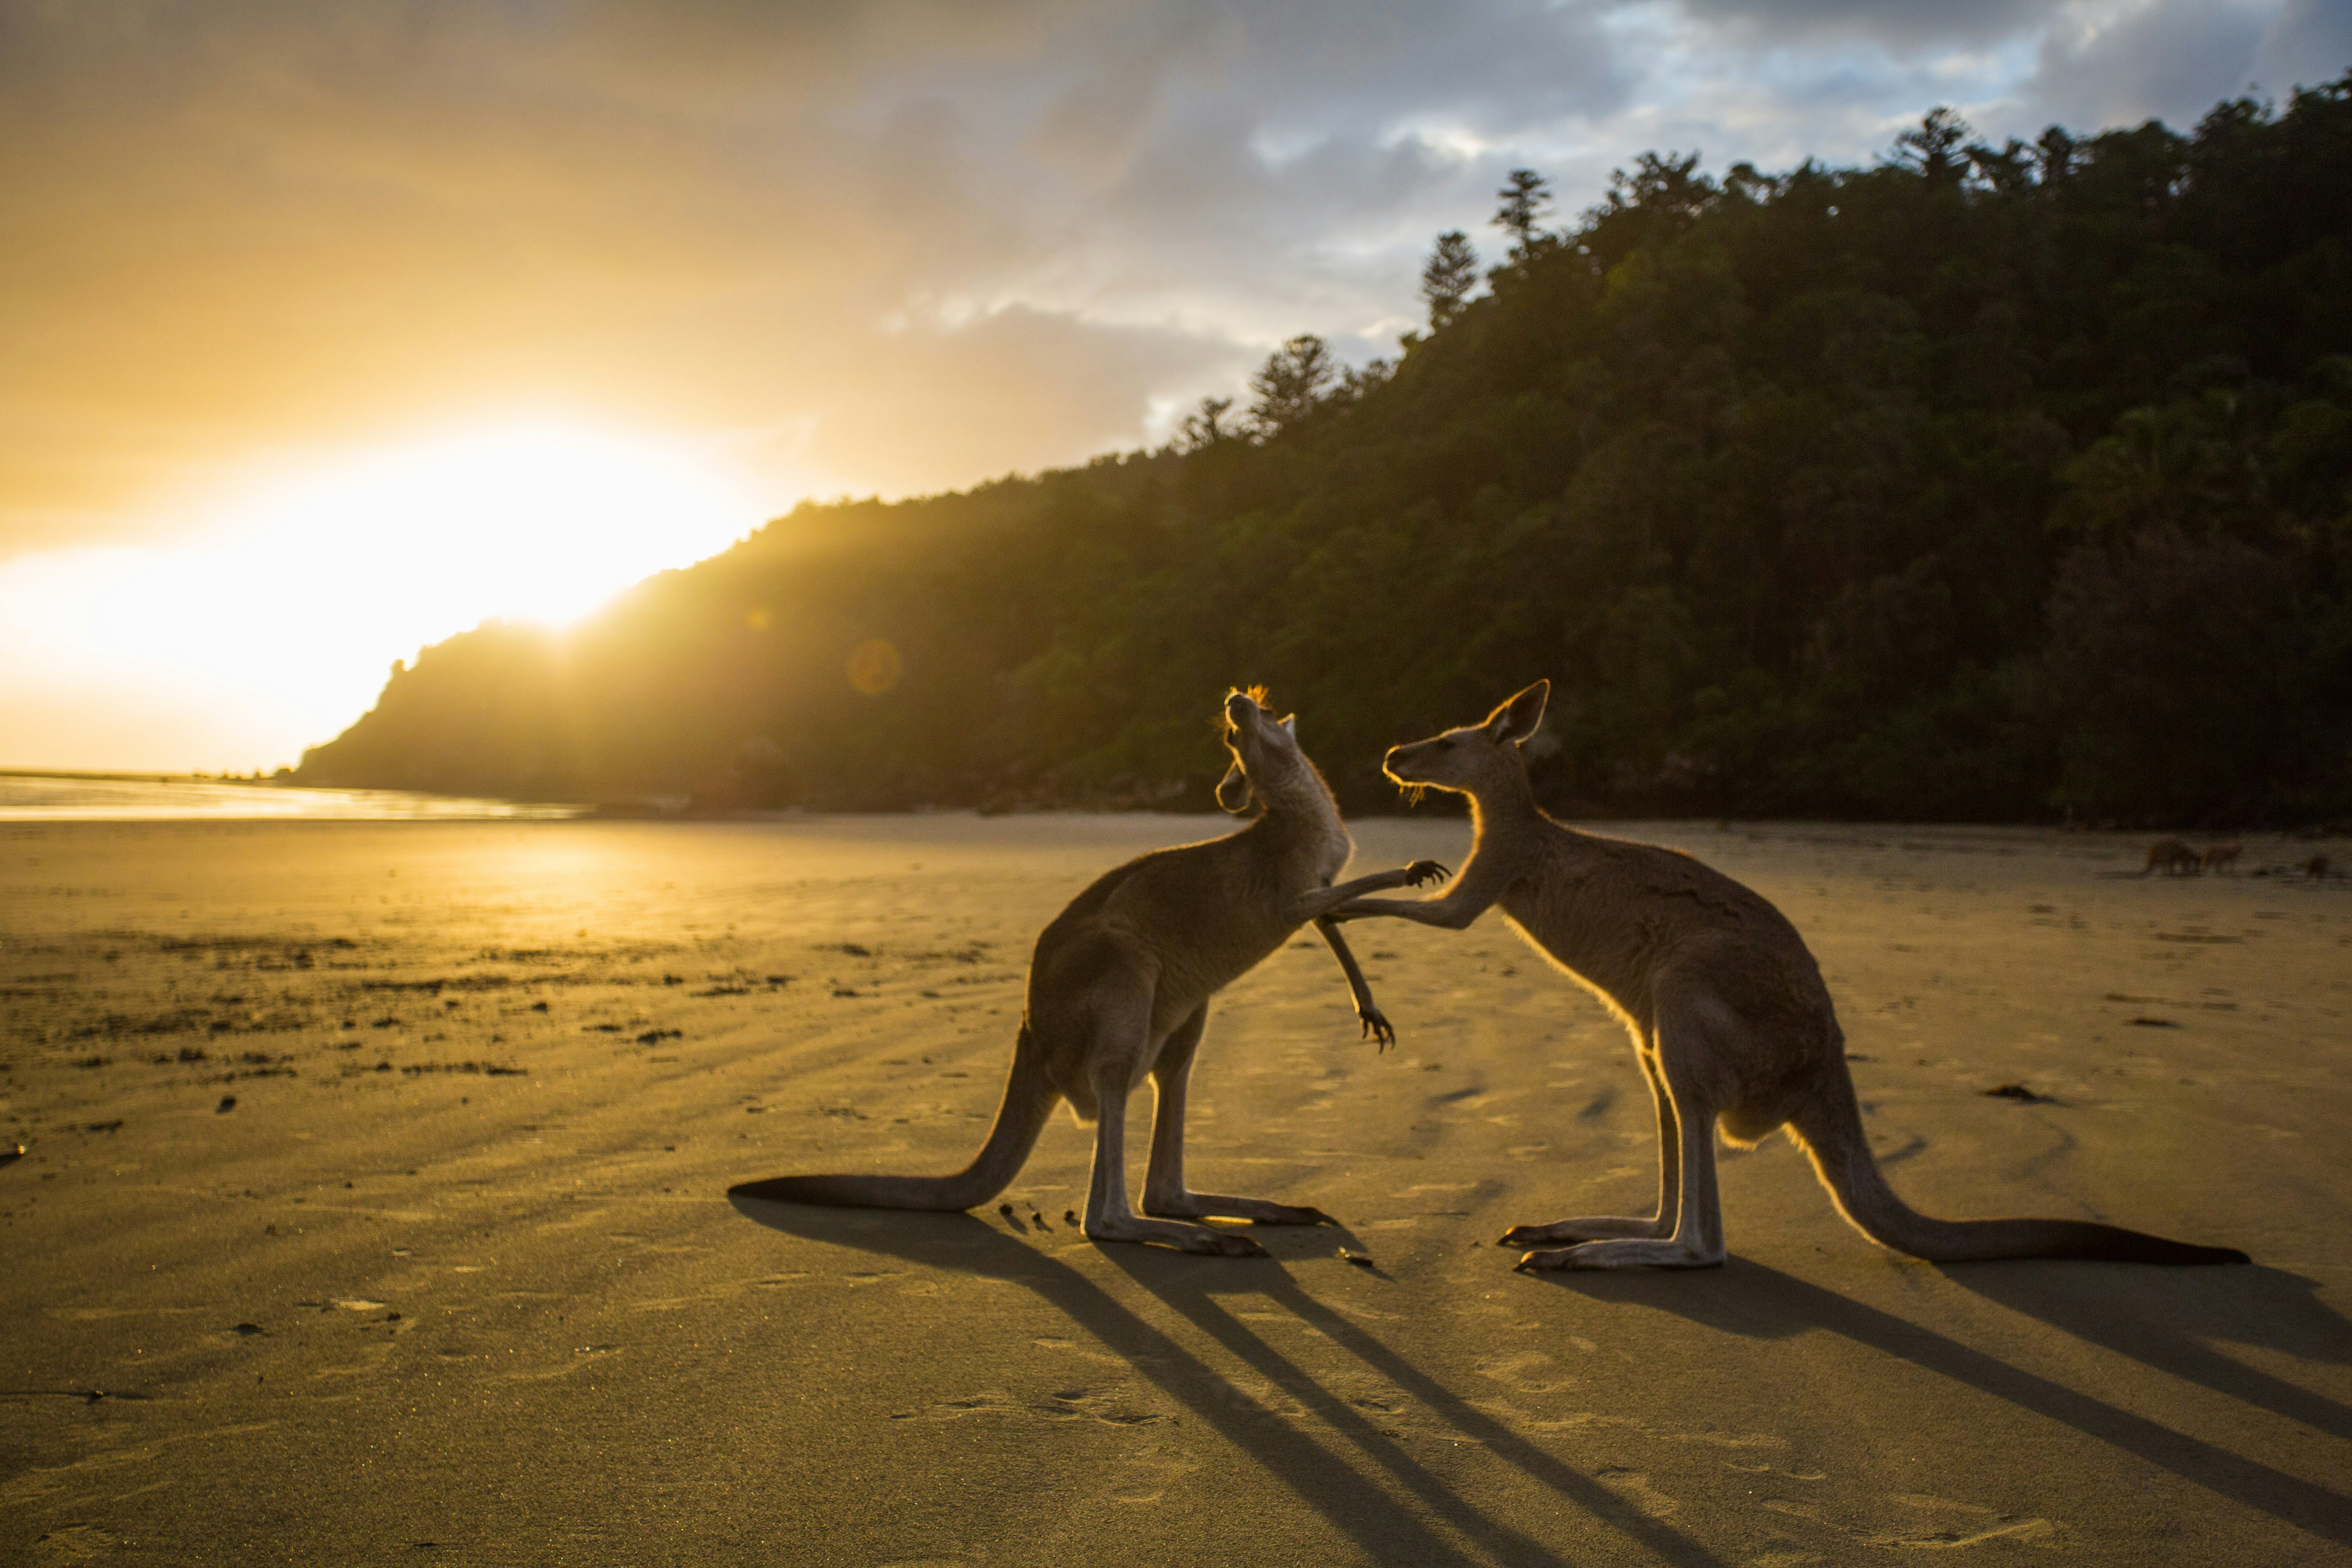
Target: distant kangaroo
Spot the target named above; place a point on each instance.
(2221, 857)
(1727, 1011)
(2173, 858)
(1119, 988)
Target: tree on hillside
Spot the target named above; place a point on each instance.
(1929, 146)
(1448, 277)
(1204, 425)
(1524, 196)
(1291, 384)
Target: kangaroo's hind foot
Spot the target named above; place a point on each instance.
(1207, 1240)
(1588, 1228)
(1625, 1254)
(1257, 1211)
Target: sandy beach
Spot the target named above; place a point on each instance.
(372, 1208)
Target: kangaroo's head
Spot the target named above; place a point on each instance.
(1265, 751)
(1464, 760)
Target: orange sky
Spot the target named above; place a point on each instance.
(867, 247)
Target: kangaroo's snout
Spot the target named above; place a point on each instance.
(1238, 708)
(1402, 765)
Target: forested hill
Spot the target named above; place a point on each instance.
(1985, 483)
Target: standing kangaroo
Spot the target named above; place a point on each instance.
(1119, 988)
(1727, 1011)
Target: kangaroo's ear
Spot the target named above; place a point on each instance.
(1516, 719)
(1290, 725)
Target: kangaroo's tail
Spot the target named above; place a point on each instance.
(1029, 1100)
(1831, 1132)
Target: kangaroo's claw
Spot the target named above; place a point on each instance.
(1422, 871)
(1378, 1027)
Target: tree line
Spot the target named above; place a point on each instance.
(1981, 483)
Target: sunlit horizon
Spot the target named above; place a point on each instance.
(555, 300)
(269, 624)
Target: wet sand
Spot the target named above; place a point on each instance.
(455, 1277)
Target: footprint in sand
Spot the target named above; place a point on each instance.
(75, 1543)
(1072, 1347)
(1065, 1404)
(1636, 1488)
(1530, 1372)
(1945, 1524)
(1146, 1476)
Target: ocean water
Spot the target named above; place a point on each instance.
(53, 797)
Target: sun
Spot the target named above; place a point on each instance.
(542, 523)
(288, 599)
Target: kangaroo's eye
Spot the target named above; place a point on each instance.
(1445, 745)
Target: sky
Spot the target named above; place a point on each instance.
(328, 330)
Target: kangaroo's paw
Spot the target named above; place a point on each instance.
(1621, 1255)
(1258, 1211)
(1422, 871)
(1200, 1239)
(1588, 1228)
(1377, 1027)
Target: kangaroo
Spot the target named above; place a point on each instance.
(1120, 988)
(2172, 856)
(2221, 858)
(1727, 1010)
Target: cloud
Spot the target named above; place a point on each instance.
(1898, 24)
(2119, 64)
(234, 227)
(878, 247)
(2309, 43)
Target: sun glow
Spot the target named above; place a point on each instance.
(274, 623)
(532, 524)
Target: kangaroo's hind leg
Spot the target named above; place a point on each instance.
(1689, 1031)
(1121, 1026)
(1164, 1192)
(1597, 1227)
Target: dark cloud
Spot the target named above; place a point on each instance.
(1898, 24)
(2310, 43)
(2171, 60)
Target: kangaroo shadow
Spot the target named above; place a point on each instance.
(2171, 1324)
(1754, 1301)
(1341, 1494)
(1193, 1297)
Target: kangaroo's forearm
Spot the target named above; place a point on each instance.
(1357, 986)
(1315, 905)
(1448, 913)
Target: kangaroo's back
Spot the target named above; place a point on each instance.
(1620, 915)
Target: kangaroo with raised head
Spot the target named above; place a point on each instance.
(1119, 988)
(1727, 1010)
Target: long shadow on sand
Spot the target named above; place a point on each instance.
(1754, 1301)
(1346, 1497)
(2170, 1323)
